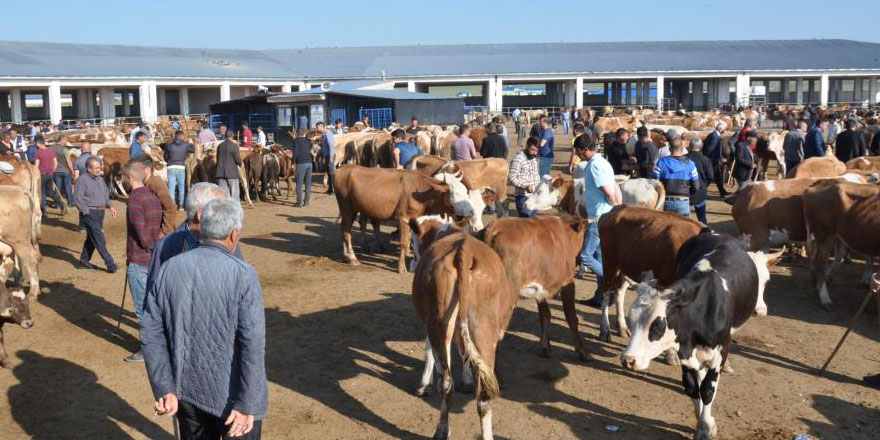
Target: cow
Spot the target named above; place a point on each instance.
(539, 256)
(864, 163)
(635, 240)
(271, 174)
(461, 295)
(718, 287)
(14, 301)
(838, 216)
(818, 167)
(383, 194)
(770, 147)
(27, 177)
(16, 211)
(567, 194)
(206, 169)
(253, 166)
(482, 174)
(286, 171)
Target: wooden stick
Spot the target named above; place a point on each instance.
(846, 333)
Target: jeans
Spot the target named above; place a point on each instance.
(137, 282)
(591, 256)
(196, 424)
(177, 184)
(62, 182)
(680, 206)
(544, 164)
(565, 125)
(49, 190)
(790, 164)
(331, 174)
(230, 187)
(520, 200)
(303, 180)
(94, 222)
(700, 209)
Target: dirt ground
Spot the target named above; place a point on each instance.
(344, 354)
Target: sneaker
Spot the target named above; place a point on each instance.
(872, 381)
(135, 357)
(592, 302)
(581, 272)
(112, 268)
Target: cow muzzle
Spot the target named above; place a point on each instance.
(28, 323)
(628, 362)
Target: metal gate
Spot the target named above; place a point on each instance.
(379, 117)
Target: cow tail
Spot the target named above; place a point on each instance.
(811, 242)
(661, 195)
(487, 383)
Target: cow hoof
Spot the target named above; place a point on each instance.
(402, 270)
(672, 359)
(625, 333)
(424, 391)
(728, 369)
(605, 336)
(585, 356)
(545, 352)
(827, 306)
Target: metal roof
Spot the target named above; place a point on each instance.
(363, 89)
(61, 60)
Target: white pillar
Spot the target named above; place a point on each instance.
(225, 91)
(55, 102)
(579, 92)
(108, 109)
(570, 93)
(287, 88)
(82, 103)
(147, 95)
(743, 89)
(661, 91)
(16, 106)
(824, 85)
(873, 90)
(411, 86)
(799, 89)
(494, 90)
(184, 101)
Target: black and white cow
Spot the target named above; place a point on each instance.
(719, 287)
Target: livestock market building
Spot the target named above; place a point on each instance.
(59, 81)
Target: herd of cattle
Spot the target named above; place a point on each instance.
(468, 276)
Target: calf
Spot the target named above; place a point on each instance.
(840, 215)
(718, 288)
(14, 303)
(539, 256)
(462, 296)
(383, 194)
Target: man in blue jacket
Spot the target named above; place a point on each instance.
(679, 177)
(814, 145)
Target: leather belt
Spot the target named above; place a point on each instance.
(98, 207)
(678, 197)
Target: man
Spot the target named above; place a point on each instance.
(143, 222)
(137, 129)
(19, 146)
(45, 161)
(304, 122)
(204, 337)
(224, 133)
(617, 155)
(789, 123)
(574, 159)
(714, 150)
(328, 152)
(404, 151)
(566, 121)
(601, 194)
(175, 157)
(63, 170)
(740, 135)
(793, 146)
(523, 175)
(501, 129)
(745, 165)
(545, 152)
(92, 198)
(814, 145)
(340, 129)
(262, 140)
(646, 153)
(79, 165)
(679, 177)
(463, 148)
(413, 126)
(6, 148)
(494, 144)
(850, 143)
(515, 116)
(228, 161)
(672, 139)
(247, 136)
(159, 189)
(833, 130)
(705, 170)
(139, 146)
(206, 135)
(302, 160)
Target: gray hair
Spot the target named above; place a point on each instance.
(200, 194)
(220, 217)
(696, 143)
(721, 126)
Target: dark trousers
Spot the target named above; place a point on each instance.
(94, 222)
(790, 164)
(49, 190)
(303, 181)
(62, 182)
(520, 202)
(196, 424)
(719, 178)
(331, 174)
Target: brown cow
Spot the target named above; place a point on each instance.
(478, 174)
(818, 167)
(838, 216)
(14, 301)
(27, 177)
(461, 295)
(636, 240)
(286, 171)
(383, 194)
(865, 163)
(16, 211)
(539, 256)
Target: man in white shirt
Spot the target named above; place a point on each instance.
(261, 137)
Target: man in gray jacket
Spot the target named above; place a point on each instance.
(793, 146)
(228, 160)
(204, 336)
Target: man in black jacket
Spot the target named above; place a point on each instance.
(302, 160)
(646, 153)
(494, 144)
(850, 143)
(875, 144)
(745, 159)
(714, 149)
(705, 170)
(617, 155)
(228, 160)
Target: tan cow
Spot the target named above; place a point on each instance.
(385, 194)
(818, 167)
(461, 295)
(865, 163)
(27, 177)
(483, 174)
(566, 194)
(539, 256)
(840, 215)
(16, 211)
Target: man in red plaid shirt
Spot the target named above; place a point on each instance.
(144, 223)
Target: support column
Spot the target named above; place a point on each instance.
(661, 90)
(55, 102)
(799, 90)
(16, 106)
(184, 101)
(873, 90)
(126, 105)
(225, 91)
(411, 86)
(824, 86)
(108, 109)
(494, 95)
(570, 93)
(579, 92)
(743, 89)
(147, 96)
(160, 102)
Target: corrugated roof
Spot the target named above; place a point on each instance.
(355, 88)
(58, 60)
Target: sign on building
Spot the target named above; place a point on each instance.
(317, 114)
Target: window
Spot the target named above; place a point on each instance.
(792, 85)
(757, 83)
(690, 87)
(847, 85)
(523, 89)
(117, 98)
(284, 115)
(866, 86)
(652, 91)
(594, 89)
(732, 87)
(705, 87)
(66, 100)
(33, 101)
(774, 86)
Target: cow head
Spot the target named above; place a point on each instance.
(651, 332)
(14, 306)
(763, 263)
(547, 194)
(467, 204)
(426, 230)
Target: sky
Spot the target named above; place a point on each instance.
(266, 24)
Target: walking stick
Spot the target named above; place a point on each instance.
(849, 329)
(122, 306)
(176, 427)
